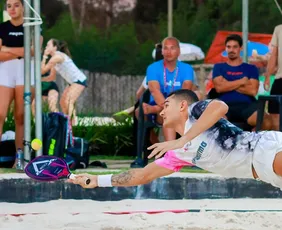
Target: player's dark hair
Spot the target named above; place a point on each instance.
(185, 94)
(234, 37)
(19, 0)
(159, 56)
(62, 46)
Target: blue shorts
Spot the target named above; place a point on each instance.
(84, 83)
(152, 117)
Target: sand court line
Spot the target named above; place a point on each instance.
(89, 214)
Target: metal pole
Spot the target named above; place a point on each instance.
(37, 75)
(245, 29)
(170, 19)
(27, 93)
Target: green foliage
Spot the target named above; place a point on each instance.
(62, 30)
(109, 138)
(126, 49)
(96, 51)
(1, 10)
(113, 139)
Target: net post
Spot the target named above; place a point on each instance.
(27, 79)
(37, 75)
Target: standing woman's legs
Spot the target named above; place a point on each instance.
(7, 95)
(64, 100)
(53, 97)
(8, 72)
(74, 92)
(19, 114)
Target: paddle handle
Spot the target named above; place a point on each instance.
(72, 177)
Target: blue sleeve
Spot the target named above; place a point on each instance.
(216, 71)
(188, 74)
(254, 73)
(151, 74)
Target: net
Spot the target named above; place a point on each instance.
(37, 20)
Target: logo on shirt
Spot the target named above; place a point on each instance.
(16, 34)
(170, 83)
(186, 147)
(234, 73)
(200, 150)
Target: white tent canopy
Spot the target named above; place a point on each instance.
(188, 52)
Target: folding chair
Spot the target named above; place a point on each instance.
(143, 134)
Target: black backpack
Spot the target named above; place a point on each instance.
(58, 141)
(57, 134)
(78, 155)
(7, 153)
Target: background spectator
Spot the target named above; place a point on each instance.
(64, 65)
(275, 64)
(12, 68)
(166, 76)
(237, 84)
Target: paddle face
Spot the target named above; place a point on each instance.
(47, 168)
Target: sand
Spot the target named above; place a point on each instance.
(59, 215)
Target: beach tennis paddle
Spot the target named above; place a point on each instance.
(49, 168)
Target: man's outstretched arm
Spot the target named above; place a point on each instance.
(131, 177)
(214, 111)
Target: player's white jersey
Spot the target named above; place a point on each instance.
(224, 148)
(68, 70)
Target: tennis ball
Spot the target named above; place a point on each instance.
(36, 144)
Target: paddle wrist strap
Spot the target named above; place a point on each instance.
(104, 180)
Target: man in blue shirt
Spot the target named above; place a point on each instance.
(166, 76)
(237, 84)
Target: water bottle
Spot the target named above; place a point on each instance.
(20, 160)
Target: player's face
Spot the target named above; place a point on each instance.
(50, 48)
(170, 113)
(170, 50)
(15, 9)
(233, 49)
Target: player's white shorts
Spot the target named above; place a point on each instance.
(264, 153)
(12, 73)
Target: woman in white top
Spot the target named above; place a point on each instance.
(63, 64)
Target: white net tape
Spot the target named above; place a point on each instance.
(37, 20)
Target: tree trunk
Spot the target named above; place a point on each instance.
(82, 14)
(109, 13)
(71, 9)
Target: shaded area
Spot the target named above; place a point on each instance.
(27, 190)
